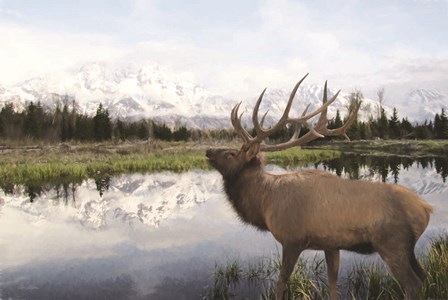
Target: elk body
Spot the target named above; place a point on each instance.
(317, 210)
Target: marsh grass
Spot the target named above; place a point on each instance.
(436, 265)
(309, 280)
(406, 148)
(73, 163)
(297, 156)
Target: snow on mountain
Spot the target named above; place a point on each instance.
(144, 199)
(423, 104)
(148, 91)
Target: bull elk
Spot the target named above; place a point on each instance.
(318, 210)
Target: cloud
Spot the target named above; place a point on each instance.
(26, 52)
(264, 43)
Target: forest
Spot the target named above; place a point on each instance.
(65, 123)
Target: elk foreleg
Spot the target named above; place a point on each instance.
(289, 258)
(332, 259)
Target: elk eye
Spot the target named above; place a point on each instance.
(230, 154)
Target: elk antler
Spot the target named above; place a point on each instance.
(317, 131)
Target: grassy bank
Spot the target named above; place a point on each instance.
(24, 164)
(56, 163)
(413, 148)
(309, 279)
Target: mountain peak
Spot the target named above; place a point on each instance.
(150, 91)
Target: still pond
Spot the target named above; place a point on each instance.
(159, 235)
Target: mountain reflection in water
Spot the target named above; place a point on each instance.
(155, 236)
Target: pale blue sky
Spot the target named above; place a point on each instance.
(234, 47)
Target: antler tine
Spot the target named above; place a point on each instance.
(257, 125)
(236, 122)
(298, 127)
(262, 118)
(321, 110)
(342, 130)
(263, 133)
(323, 120)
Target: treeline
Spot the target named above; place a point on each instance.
(394, 128)
(65, 123)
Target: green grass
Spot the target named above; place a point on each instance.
(295, 156)
(309, 279)
(45, 164)
(411, 148)
(53, 165)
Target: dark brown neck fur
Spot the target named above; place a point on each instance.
(248, 205)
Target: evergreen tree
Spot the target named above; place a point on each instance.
(394, 125)
(406, 129)
(66, 130)
(102, 126)
(84, 128)
(34, 116)
(441, 125)
(11, 122)
(119, 130)
(162, 132)
(143, 132)
(336, 122)
(383, 125)
(181, 134)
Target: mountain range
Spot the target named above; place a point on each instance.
(147, 91)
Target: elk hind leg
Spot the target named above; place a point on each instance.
(289, 259)
(332, 260)
(401, 266)
(417, 267)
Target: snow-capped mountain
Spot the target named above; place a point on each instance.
(425, 104)
(148, 91)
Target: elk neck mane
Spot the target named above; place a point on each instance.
(247, 205)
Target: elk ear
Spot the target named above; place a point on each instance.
(253, 150)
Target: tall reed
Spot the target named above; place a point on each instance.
(309, 281)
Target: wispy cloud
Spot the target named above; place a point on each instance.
(237, 47)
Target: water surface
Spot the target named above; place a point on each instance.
(154, 236)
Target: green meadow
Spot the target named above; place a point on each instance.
(76, 162)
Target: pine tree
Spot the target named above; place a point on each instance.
(406, 128)
(162, 132)
(65, 124)
(143, 132)
(394, 125)
(181, 134)
(443, 125)
(102, 126)
(11, 122)
(336, 122)
(119, 131)
(34, 116)
(438, 128)
(383, 125)
(84, 128)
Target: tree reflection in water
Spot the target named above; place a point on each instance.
(65, 189)
(349, 165)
